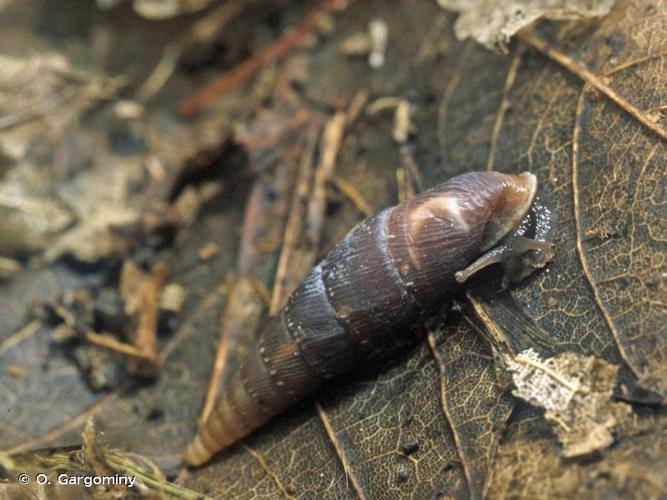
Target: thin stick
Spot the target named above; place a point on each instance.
(285, 280)
(352, 194)
(591, 78)
(248, 68)
(202, 31)
(114, 345)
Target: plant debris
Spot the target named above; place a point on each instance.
(42, 93)
(141, 292)
(101, 179)
(371, 43)
(492, 22)
(576, 392)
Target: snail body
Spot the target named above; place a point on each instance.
(386, 273)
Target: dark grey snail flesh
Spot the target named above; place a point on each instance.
(374, 285)
(527, 248)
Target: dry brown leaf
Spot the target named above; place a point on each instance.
(394, 433)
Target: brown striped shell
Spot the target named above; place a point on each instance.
(372, 286)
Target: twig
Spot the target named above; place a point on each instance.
(248, 68)
(329, 146)
(290, 255)
(114, 345)
(353, 194)
(142, 299)
(411, 168)
(591, 78)
(356, 106)
(25, 332)
(247, 299)
(203, 31)
(97, 339)
(404, 186)
(242, 310)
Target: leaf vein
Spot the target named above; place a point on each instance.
(577, 222)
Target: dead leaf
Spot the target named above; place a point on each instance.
(492, 23)
(29, 221)
(40, 92)
(576, 393)
(389, 432)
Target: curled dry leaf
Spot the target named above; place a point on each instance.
(492, 22)
(576, 392)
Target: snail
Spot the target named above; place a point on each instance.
(389, 271)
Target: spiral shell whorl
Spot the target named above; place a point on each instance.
(371, 287)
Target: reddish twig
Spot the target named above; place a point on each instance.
(241, 73)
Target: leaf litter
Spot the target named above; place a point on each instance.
(492, 23)
(570, 408)
(576, 394)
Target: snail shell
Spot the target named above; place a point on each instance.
(374, 285)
